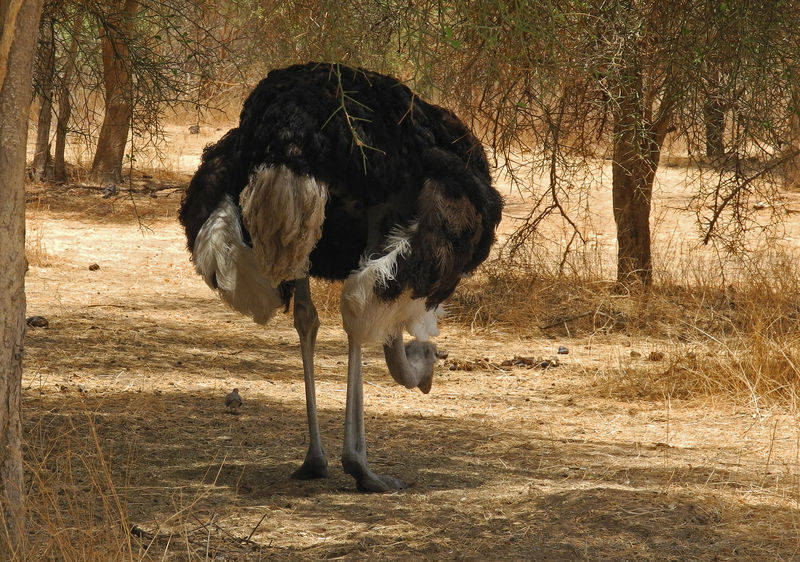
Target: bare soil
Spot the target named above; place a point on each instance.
(124, 410)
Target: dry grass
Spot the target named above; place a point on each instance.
(741, 342)
(669, 431)
(75, 508)
(35, 246)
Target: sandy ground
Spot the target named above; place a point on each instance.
(123, 405)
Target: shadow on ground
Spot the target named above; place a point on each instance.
(188, 476)
(523, 496)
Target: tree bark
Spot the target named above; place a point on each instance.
(714, 117)
(632, 190)
(45, 73)
(62, 122)
(117, 77)
(791, 170)
(714, 107)
(636, 151)
(17, 49)
(65, 105)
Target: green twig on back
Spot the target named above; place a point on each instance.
(344, 96)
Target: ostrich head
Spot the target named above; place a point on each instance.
(412, 365)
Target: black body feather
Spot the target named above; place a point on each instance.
(388, 159)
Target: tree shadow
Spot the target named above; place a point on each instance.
(478, 489)
(173, 451)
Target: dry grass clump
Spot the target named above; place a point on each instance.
(683, 373)
(76, 511)
(83, 477)
(36, 250)
(740, 339)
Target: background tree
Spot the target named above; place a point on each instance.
(569, 82)
(45, 85)
(65, 82)
(17, 48)
(138, 58)
(553, 88)
(116, 33)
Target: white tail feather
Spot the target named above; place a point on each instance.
(283, 212)
(229, 265)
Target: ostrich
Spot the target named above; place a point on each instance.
(343, 174)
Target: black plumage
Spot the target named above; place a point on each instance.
(374, 144)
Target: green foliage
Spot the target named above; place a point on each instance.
(543, 83)
(351, 120)
(550, 79)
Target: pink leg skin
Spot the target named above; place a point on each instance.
(306, 322)
(354, 452)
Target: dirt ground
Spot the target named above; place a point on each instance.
(123, 405)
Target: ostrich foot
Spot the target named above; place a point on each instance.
(312, 468)
(368, 481)
(379, 483)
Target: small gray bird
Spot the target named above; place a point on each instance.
(233, 401)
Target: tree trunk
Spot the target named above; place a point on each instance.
(45, 72)
(714, 108)
(632, 190)
(17, 47)
(636, 151)
(117, 78)
(65, 105)
(791, 170)
(64, 114)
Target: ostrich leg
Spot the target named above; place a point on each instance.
(354, 452)
(306, 322)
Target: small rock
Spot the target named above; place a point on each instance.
(635, 354)
(37, 322)
(656, 356)
(94, 267)
(562, 350)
